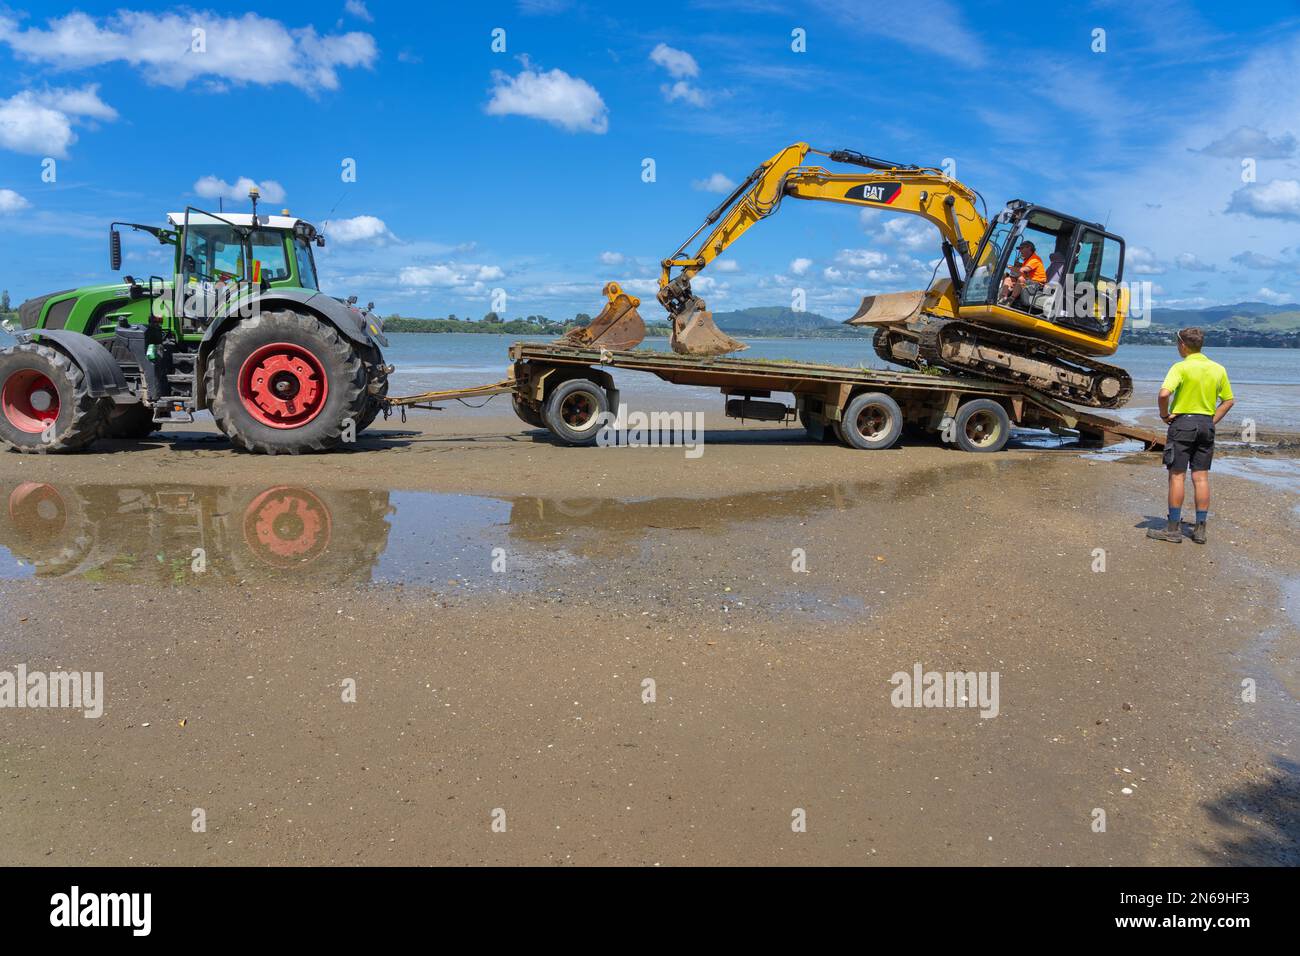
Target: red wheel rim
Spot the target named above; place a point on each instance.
(30, 401)
(286, 527)
(38, 510)
(283, 385)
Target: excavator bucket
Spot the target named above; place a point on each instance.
(619, 325)
(694, 333)
(892, 308)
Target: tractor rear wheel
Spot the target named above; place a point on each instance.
(375, 402)
(286, 383)
(45, 405)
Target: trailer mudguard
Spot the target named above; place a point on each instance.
(104, 378)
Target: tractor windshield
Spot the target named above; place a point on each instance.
(306, 264)
(213, 250)
(268, 249)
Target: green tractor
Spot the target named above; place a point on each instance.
(240, 329)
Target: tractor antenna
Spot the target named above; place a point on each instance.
(254, 195)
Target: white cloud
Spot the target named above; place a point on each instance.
(555, 97)
(800, 266)
(239, 50)
(681, 90)
(358, 9)
(40, 122)
(1254, 260)
(1250, 141)
(612, 258)
(681, 66)
(210, 187)
(1142, 261)
(11, 202)
(1276, 199)
(717, 183)
(1274, 298)
(725, 265)
(1193, 263)
(356, 229)
(462, 277)
(861, 258)
(831, 274)
(678, 63)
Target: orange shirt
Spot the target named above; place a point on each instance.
(1032, 269)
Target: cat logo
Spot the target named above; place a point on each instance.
(884, 193)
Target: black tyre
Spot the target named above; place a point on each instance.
(45, 406)
(374, 402)
(982, 425)
(132, 423)
(286, 383)
(871, 421)
(816, 431)
(528, 412)
(573, 411)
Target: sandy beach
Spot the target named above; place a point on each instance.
(628, 656)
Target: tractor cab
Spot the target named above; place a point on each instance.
(1078, 294)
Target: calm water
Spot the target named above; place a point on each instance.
(1266, 381)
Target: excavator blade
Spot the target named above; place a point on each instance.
(694, 333)
(892, 308)
(618, 326)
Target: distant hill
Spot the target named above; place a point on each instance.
(1251, 316)
(772, 320)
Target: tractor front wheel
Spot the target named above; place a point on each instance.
(45, 406)
(286, 383)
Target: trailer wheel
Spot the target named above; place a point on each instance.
(871, 421)
(45, 406)
(287, 383)
(573, 411)
(816, 430)
(529, 412)
(982, 425)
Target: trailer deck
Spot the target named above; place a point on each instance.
(823, 393)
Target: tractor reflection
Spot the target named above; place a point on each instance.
(194, 534)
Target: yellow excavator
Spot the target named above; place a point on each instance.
(1048, 336)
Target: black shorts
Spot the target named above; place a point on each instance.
(1190, 443)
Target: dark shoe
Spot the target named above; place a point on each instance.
(1171, 532)
(1198, 532)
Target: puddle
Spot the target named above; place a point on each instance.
(210, 536)
(203, 535)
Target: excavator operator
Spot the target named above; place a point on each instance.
(1026, 276)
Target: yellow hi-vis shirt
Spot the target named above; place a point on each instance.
(1198, 384)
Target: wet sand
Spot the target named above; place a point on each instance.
(521, 689)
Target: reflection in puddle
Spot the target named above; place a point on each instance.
(202, 536)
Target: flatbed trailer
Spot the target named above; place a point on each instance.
(564, 388)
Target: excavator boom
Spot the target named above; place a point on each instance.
(902, 188)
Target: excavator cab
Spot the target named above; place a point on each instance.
(1078, 304)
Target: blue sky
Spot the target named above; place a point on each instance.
(522, 170)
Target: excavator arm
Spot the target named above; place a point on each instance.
(947, 204)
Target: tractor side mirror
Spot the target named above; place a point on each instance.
(114, 250)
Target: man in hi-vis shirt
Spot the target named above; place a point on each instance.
(1201, 397)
